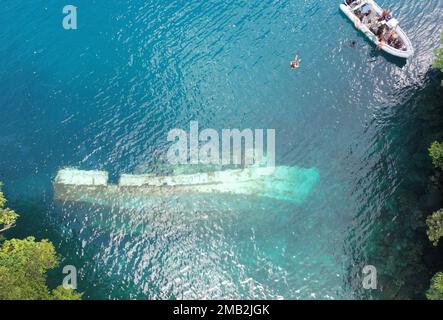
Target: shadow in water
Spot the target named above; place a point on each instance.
(389, 229)
(399, 62)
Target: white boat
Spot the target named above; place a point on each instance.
(403, 49)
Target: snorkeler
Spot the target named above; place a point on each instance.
(295, 64)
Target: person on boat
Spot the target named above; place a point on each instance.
(397, 44)
(380, 32)
(394, 40)
(380, 44)
(365, 8)
(373, 25)
(367, 18)
(360, 17)
(381, 35)
(352, 3)
(385, 15)
(392, 36)
(295, 64)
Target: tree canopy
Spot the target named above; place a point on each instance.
(23, 267)
(8, 217)
(435, 226)
(435, 292)
(435, 221)
(24, 263)
(436, 154)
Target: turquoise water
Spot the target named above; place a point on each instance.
(105, 96)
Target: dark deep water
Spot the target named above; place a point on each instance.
(106, 95)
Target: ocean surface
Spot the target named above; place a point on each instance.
(105, 96)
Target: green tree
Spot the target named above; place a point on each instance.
(436, 154)
(60, 293)
(435, 292)
(435, 221)
(8, 217)
(438, 62)
(435, 227)
(23, 266)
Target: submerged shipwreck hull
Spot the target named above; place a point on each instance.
(282, 183)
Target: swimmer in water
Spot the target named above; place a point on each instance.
(295, 64)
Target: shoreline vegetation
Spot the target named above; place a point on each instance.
(435, 221)
(24, 264)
